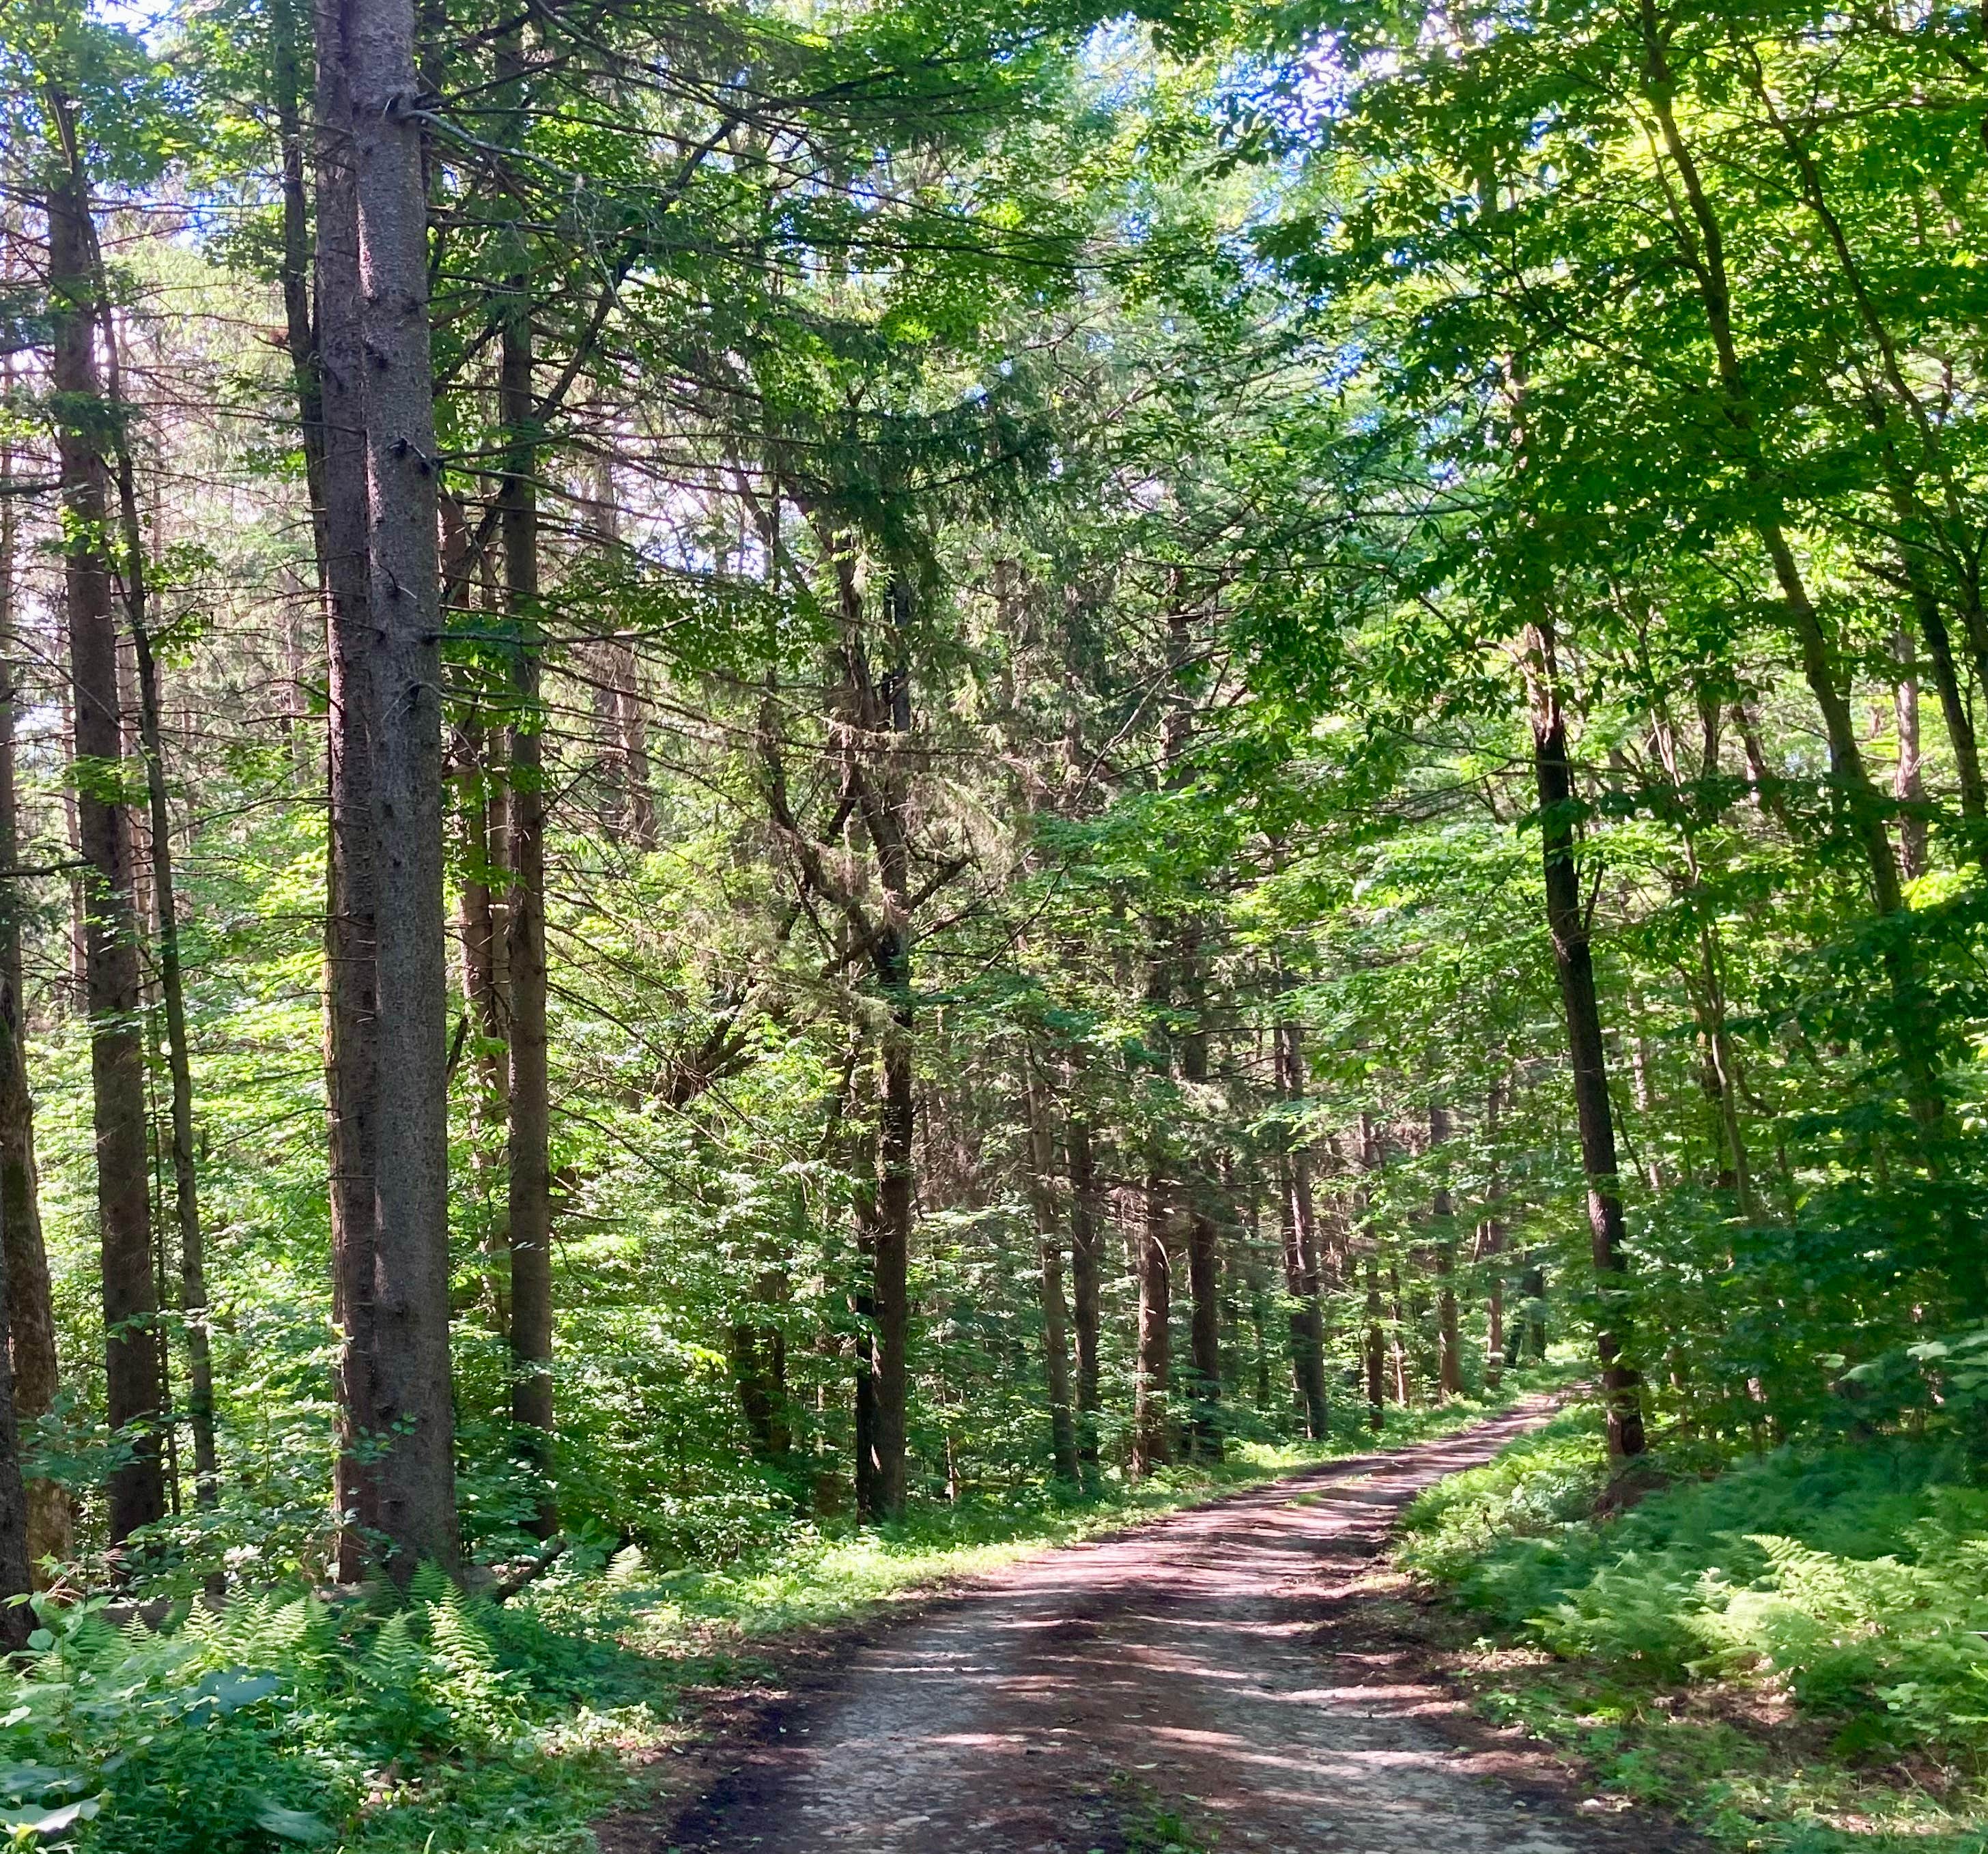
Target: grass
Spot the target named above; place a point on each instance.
(445, 1723)
(1791, 1651)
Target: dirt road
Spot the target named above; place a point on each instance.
(1216, 1665)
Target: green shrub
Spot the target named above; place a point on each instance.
(1856, 1577)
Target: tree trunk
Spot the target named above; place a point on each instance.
(1204, 1276)
(114, 996)
(351, 985)
(158, 863)
(1491, 1245)
(1204, 1260)
(1151, 1416)
(863, 1306)
(896, 1128)
(1449, 1358)
(531, 1220)
(1055, 1338)
(1573, 962)
(16, 1618)
(759, 1371)
(1376, 1342)
(403, 688)
(1300, 1234)
(1405, 1393)
(1086, 1239)
(484, 866)
(179, 1054)
(30, 1326)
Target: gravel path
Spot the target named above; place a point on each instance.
(1213, 1663)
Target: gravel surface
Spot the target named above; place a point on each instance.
(1222, 1665)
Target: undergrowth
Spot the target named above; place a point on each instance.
(1793, 1649)
(444, 1723)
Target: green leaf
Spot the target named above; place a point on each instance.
(293, 1825)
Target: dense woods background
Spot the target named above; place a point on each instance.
(765, 766)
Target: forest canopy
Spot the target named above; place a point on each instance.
(768, 766)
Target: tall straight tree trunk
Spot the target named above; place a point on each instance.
(864, 1305)
(1204, 1277)
(1574, 964)
(1301, 1233)
(483, 869)
(883, 792)
(400, 688)
(30, 1325)
(896, 1128)
(1397, 1349)
(1055, 1336)
(1204, 1259)
(1449, 1355)
(332, 404)
(531, 1217)
(113, 974)
(1086, 1237)
(1491, 1245)
(171, 978)
(1151, 1416)
(16, 1574)
(133, 574)
(1375, 1348)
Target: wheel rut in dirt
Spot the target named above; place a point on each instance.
(1211, 1665)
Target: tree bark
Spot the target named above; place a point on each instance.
(402, 688)
(1491, 1245)
(157, 862)
(531, 1219)
(1204, 1258)
(172, 991)
(1055, 1336)
(112, 975)
(30, 1326)
(484, 866)
(1449, 1358)
(1573, 963)
(1300, 1234)
(1086, 1240)
(16, 1577)
(1375, 1348)
(897, 1127)
(1152, 1414)
(863, 1306)
(351, 984)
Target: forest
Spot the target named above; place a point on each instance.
(791, 785)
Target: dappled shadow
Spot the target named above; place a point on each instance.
(1190, 1662)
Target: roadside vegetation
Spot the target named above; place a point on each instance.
(1789, 1647)
(444, 1723)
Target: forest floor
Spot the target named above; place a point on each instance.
(1235, 1675)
